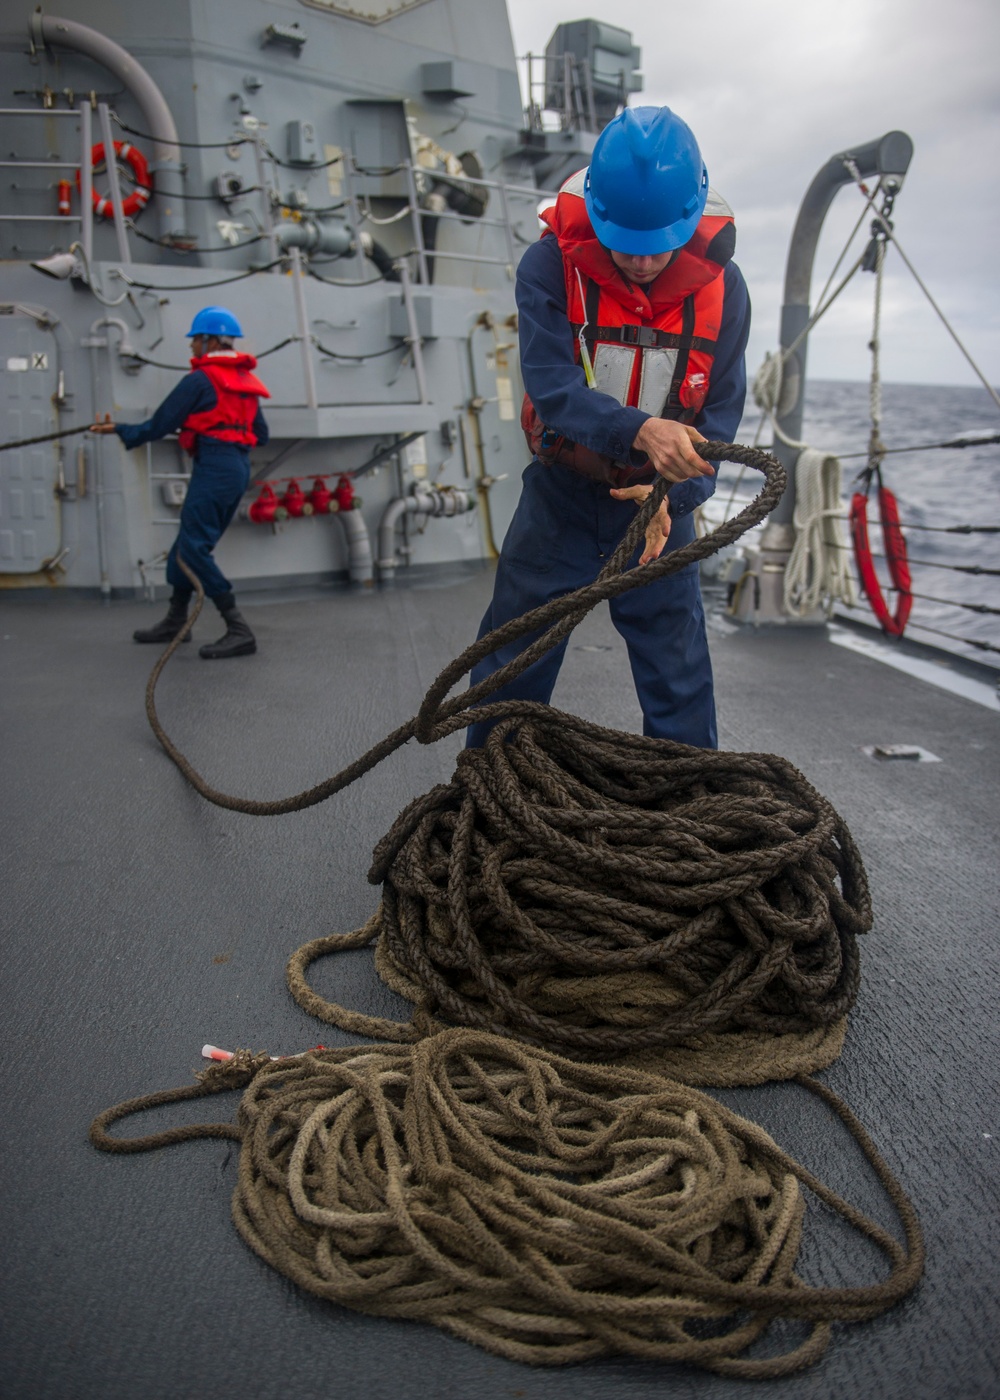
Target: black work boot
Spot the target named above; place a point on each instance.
(167, 630)
(238, 641)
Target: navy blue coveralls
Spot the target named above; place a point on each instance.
(219, 477)
(566, 526)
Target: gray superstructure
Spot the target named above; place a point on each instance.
(379, 146)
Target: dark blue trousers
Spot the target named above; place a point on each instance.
(563, 532)
(219, 478)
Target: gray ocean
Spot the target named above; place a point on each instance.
(937, 487)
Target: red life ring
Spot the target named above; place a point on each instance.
(895, 554)
(136, 161)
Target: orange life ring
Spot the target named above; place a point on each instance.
(894, 623)
(139, 166)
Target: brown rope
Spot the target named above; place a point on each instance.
(603, 894)
(606, 894)
(438, 716)
(545, 1210)
(216, 1079)
(45, 437)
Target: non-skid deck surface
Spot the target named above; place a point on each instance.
(140, 922)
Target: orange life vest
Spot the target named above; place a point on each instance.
(650, 347)
(238, 394)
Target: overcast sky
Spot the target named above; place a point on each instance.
(773, 88)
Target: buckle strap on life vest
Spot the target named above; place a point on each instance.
(681, 367)
(646, 338)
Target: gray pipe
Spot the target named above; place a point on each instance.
(125, 346)
(889, 156)
(314, 236)
(423, 501)
(98, 459)
(391, 517)
(359, 548)
(166, 165)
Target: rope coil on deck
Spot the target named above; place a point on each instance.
(604, 895)
(548, 1211)
(600, 893)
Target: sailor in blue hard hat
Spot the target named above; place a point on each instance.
(633, 323)
(216, 411)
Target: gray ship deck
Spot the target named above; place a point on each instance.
(141, 922)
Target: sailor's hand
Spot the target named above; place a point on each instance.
(668, 445)
(103, 425)
(658, 529)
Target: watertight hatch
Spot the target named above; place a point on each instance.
(28, 521)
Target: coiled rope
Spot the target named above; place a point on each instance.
(582, 888)
(547, 1211)
(817, 573)
(606, 895)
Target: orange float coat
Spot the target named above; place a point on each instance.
(239, 393)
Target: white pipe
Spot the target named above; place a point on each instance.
(394, 512)
(305, 339)
(166, 164)
(102, 542)
(265, 198)
(413, 339)
(125, 346)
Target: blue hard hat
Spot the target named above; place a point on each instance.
(646, 185)
(215, 320)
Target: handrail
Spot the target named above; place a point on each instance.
(111, 165)
(85, 218)
(503, 219)
(412, 207)
(465, 257)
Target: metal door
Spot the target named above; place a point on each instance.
(29, 525)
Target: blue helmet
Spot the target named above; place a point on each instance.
(646, 185)
(215, 320)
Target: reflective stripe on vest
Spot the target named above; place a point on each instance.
(662, 365)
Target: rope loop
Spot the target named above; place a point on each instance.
(439, 716)
(235, 1073)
